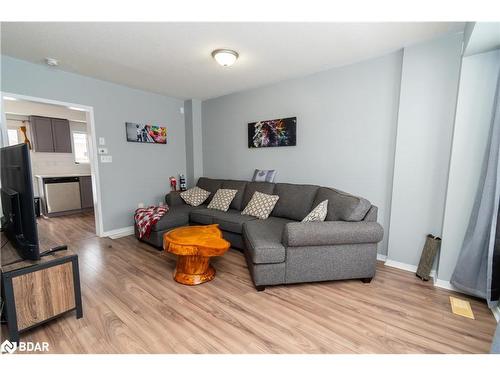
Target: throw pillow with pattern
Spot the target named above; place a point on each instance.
(222, 199)
(319, 212)
(195, 196)
(261, 205)
(264, 175)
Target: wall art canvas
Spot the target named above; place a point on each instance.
(273, 133)
(146, 133)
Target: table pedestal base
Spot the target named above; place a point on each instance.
(193, 270)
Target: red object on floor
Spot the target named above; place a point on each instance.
(145, 218)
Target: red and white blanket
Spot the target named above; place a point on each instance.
(145, 218)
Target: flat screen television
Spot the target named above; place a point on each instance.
(18, 206)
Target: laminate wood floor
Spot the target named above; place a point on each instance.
(132, 305)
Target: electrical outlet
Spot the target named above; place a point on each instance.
(140, 205)
(102, 141)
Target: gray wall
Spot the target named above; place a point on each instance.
(194, 147)
(429, 85)
(139, 172)
(346, 129)
(475, 104)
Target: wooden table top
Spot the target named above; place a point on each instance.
(11, 261)
(203, 240)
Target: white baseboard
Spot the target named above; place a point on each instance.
(381, 257)
(496, 312)
(117, 233)
(444, 284)
(404, 266)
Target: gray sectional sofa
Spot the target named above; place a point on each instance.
(281, 249)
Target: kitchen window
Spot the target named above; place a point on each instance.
(13, 137)
(81, 147)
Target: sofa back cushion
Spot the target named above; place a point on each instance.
(252, 187)
(209, 184)
(240, 187)
(342, 206)
(295, 200)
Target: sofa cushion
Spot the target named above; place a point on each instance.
(209, 184)
(318, 213)
(267, 175)
(236, 185)
(261, 205)
(295, 200)
(176, 217)
(342, 206)
(222, 199)
(252, 187)
(195, 196)
(263, 240)
(231, 221)
(201, 215)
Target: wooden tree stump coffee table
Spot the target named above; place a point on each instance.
(194, 246)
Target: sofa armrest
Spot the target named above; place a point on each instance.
(331, 233)
(174, 199)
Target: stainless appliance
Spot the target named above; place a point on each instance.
(62, 194)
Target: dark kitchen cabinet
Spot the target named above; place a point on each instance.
(50, 134)
(86, 191)
(41, 132)
(61, 135)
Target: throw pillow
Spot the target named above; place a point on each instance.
(261, 205)
(195, 196)
(264, 175)
(318, 214)
(222, 199)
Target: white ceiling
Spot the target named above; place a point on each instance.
(174, 58)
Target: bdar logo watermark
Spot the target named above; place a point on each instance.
(23, 346)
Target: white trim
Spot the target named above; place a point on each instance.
(496, 312)
(117, 233)
(445, 284)
(405, 266)
(381, 257)
(94, 165)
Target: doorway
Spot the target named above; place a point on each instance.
(62, 141)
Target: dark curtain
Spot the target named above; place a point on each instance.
(495, 277)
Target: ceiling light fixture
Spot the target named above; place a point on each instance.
(51, 61)
(225, 57)
(9, 98)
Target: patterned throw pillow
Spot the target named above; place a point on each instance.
(195, 196)
(260, 205)
(222, 199)
(319, 213)
(263, 175)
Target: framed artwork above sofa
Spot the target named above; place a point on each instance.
(273, 133)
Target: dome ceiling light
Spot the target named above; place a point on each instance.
(225, 57)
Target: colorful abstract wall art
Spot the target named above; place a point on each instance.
(273, 133)
(145, 133)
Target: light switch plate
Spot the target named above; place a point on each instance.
(103, 151)
(102, 141)
(106, 159)
(140, 205)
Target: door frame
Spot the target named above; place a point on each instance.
(93, 155)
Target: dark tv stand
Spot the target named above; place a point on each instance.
(37, 291)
